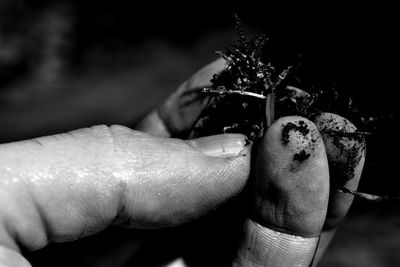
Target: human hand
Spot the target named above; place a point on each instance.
(64, 187)
(68, 186)
(292, 199)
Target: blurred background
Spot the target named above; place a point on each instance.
(71, 64)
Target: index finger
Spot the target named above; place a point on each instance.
(176, 115)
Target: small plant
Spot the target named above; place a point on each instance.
(251, 93)
(240, 95)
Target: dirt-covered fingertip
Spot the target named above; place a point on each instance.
(291, 178)
(345, 148)
(344, 145)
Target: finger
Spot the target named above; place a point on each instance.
(12, 258)
(67, 186)
(179, 112)
(291, 191)
(346, 157)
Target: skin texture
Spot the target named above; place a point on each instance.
(64, 187)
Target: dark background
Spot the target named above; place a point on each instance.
(71, 64)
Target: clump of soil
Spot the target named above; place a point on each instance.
(252, 92)
(302, 128)
(301, 156)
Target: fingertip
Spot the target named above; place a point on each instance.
(346, 157)
(345, 152)
(226, 159)
(187, 179)
(181, 110)
(292, 178)
(291, 191)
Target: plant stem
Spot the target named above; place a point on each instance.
(270, 108)
(369, 197)
(228, 92)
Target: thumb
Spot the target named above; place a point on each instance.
(291, 191)
(217, 171)
(78, 183)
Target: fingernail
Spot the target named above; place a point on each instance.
(224, 145)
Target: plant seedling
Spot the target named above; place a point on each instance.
(251, 93)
